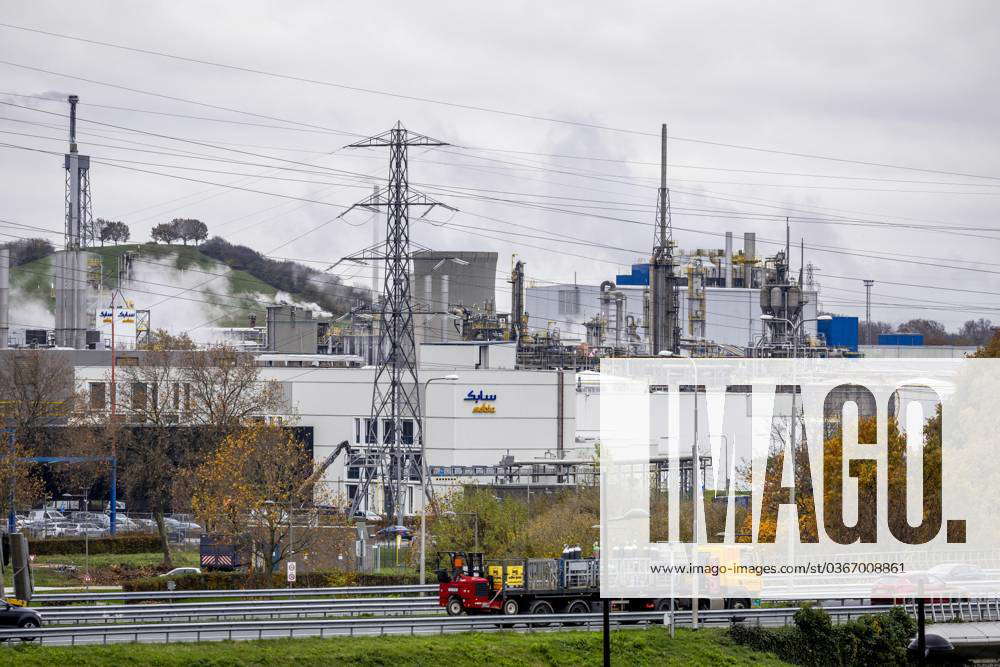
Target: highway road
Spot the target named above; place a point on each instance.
(982, 634)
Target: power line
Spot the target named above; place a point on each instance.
(469, 107)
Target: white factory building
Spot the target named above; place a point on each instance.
(478, 410)
(490, 411)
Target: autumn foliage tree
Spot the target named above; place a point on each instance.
(247, 486)
(181, 402)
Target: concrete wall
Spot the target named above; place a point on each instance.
(467, 355)
(916, 351)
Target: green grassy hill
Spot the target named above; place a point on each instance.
(233, 296)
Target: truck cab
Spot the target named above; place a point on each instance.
(463, 586)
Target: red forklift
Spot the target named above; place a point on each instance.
(566, 585)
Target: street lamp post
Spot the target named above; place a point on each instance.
(423, 481)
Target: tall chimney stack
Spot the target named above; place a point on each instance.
(729, 259)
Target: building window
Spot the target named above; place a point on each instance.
(371, 432)
(354, 466)
(138, 396)
(407, 431)
(569, 302)
(388, 431)
(98, 397)
(357, 430)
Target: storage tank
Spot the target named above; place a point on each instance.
(73, 315)
(442, 279)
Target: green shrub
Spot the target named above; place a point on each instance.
(872, 639)
(222, 581)
(121, 544)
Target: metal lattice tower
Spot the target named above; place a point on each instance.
(393, 462)
(664, 331)
(80, 231)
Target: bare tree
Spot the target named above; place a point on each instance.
(225, 388)
(180, 403)
(89, 443)
(153, 398)
(249, 486)
(37, 391)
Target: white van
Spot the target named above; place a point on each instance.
(42, 516)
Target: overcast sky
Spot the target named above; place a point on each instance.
(911, 84)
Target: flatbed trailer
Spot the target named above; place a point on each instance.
(541, 586)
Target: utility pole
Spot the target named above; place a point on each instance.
(868, 310)
(123, 261)
(396, 389)
(664, 333)
(695, 491)
(375, 221)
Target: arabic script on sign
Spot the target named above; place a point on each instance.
(481, 396)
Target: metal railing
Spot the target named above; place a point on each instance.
(964, 611)
(223, 594)
(232, 630)
(235, 630)
(245, 610)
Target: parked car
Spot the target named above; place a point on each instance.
(85, 529)
(12, 616)
(145, 525)
(92, 517)
(42, 516)
(181, 526)
(367, 515)
(46, 529)
(181, 571)
(390, 533)
(128, 524)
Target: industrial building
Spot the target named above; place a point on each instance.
(478, 409)
(719, 300)
(507, 399)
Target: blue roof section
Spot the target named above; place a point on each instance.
(638, 277)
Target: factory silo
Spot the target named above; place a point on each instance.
(443, 280)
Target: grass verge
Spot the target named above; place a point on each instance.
(632, 647)
(102, 566)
